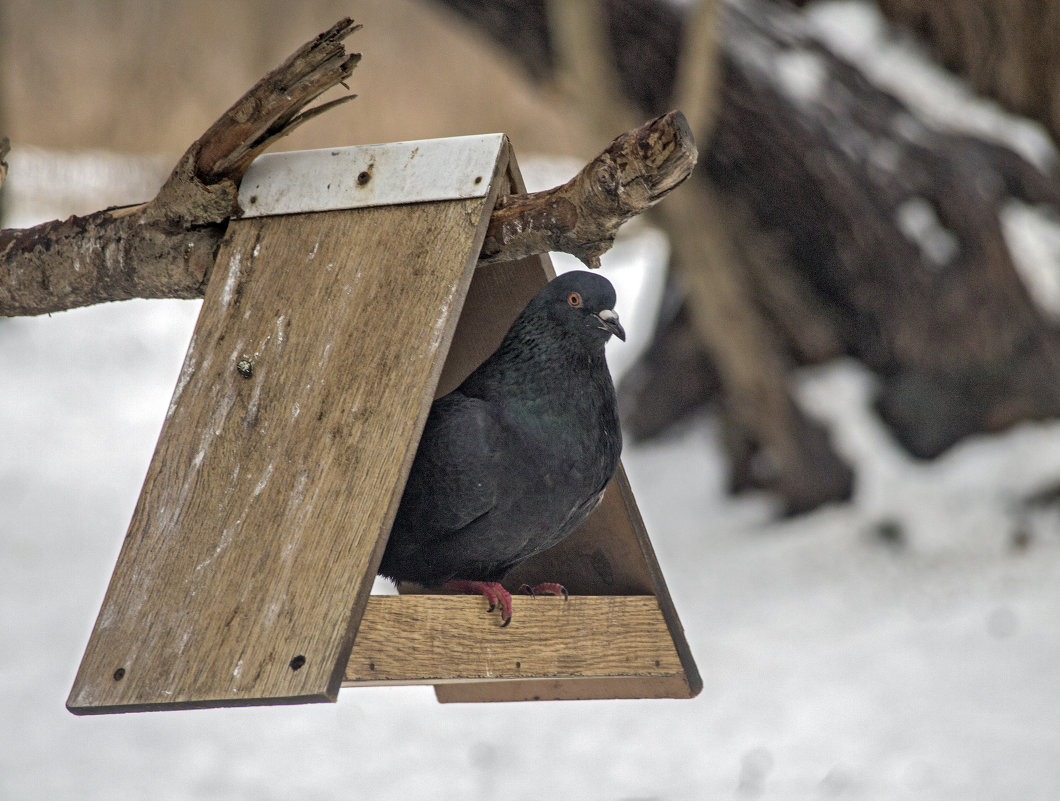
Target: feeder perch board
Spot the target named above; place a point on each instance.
(342, 303)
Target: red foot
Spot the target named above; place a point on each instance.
(545, 588)
(492, 590)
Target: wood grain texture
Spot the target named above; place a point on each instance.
(437, 639)
(566, 689)
(263, 516)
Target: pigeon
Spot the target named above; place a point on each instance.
(515, 458)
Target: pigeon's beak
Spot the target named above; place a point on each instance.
(609, 322)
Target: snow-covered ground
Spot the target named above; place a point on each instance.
(904, 645)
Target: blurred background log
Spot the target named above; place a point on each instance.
(896, 227)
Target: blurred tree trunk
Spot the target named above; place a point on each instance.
(854, 227)
(896, 227)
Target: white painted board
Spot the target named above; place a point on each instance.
(370, 175)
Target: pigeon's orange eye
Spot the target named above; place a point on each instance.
(574, 299)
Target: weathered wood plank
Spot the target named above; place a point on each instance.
(565, 689)
(254, 544)
(438, 639)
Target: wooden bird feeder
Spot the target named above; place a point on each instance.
(347, 298)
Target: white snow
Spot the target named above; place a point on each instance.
(1032, 234)
(801, 74)
(918, 222)
(41, 185)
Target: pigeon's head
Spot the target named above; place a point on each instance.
(583, 303)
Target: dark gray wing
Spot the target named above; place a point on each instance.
(452, 483)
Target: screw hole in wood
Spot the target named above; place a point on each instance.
(298, 662)
(119, 674)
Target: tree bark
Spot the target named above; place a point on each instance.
(897, 227)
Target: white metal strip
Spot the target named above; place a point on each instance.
(369, 175)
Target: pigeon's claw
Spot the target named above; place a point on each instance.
(491, 590)
(545, 588)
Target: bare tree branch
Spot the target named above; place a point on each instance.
(274, 106)
(165, 248)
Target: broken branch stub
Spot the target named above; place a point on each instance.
(203, 187)
(5, 148)
(582, 216)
